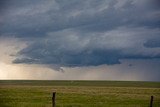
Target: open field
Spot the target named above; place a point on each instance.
(79, 93)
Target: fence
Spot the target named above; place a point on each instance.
(53, 99)
(54, 102)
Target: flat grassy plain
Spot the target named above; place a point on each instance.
(23, 93)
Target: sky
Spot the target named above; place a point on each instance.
(80, 40)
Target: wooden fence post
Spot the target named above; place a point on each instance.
(151, 102)
(53, 99)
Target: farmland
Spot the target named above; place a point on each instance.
(23, 93)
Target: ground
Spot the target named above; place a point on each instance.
(79, 93)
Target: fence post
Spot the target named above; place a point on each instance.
(151, 102)
(53, 99)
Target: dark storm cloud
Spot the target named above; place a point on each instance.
(70, 48)
(153, 43)
(82, 33)
(35, 18)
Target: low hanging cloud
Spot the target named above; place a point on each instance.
(69, 48)
(89, 33)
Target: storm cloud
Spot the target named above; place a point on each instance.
(78, 33)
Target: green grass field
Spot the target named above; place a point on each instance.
(79, 93)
